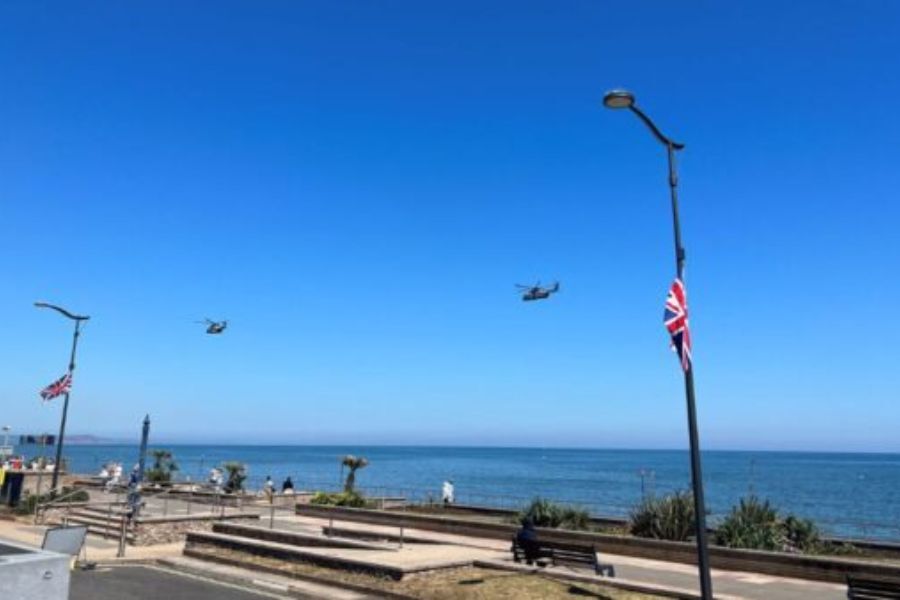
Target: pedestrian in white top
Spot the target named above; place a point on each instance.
(447, 492)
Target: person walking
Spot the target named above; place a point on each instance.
(447, 492)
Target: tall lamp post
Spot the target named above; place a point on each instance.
(622, 99)
(79, 319)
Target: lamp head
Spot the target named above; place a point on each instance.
(618, 99)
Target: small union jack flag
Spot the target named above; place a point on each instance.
(676, 320)
(57, 388)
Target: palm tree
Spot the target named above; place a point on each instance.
(164, 466)
(237, 473)
(353, 463)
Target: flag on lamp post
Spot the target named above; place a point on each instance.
(57, 388)
(676, 319)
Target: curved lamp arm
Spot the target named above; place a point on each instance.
(653, 128)
(62, 311)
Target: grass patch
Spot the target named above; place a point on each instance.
(466, 583)
(474, 582)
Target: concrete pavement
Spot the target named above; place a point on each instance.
(453, 548)
(148, 583)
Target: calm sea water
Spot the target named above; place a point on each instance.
(854, 495)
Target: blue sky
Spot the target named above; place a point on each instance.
(358, 185)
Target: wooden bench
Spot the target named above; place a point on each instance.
(864, 588)
(560, 554)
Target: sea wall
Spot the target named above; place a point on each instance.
(817, 568)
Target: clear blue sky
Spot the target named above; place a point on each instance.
(358, 185)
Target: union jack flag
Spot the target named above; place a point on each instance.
(676, 320)
(57, 388)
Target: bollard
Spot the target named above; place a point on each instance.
(190, 498)
(108, 522)
(330, 526)
(401, 536)
(122, 534)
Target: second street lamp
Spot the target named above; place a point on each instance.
(62, 424)
(623, 99)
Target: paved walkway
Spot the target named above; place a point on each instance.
(453, 548)
(148, 583)
(674, 575)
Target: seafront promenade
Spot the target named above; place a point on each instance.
(422, 548)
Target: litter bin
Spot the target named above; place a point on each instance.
(12, 488)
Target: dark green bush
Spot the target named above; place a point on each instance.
(755, 524)
(237, 474)
(801, 535)
(351, 499)
(546, 513)
(164, 466)
(838, 549)
(667, 518)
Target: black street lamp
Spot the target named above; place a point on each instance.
(619, 99)
(62, 424)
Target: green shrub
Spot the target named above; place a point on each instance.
(752, 524)
(838, 549)
(667, 518)
(755, 524)
(351, 499)
(237, 474)
(164, 466)
(801, 535)
(546, 513)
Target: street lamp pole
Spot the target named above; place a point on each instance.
(62, 424)
(618, 99)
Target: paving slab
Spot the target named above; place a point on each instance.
(147, 583)
(752, 586)
(245, 577)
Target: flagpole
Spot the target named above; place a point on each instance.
(693, 433)
(618, 99)
(62, 423)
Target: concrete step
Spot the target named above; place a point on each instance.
(197, 541)
(295, 538)
(97, 530)
(103, 511)
(95, 524)
(91, 519)
(378, 536)
(252, 579)
(115, 517)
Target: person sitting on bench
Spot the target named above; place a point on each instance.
(527, 539)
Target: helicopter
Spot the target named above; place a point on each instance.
(214, 327)
(536, 292)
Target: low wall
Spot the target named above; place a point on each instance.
(818, 568)
(500, 513)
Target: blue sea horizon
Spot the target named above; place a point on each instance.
(849, 494)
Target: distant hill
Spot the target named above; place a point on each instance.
(87, 439)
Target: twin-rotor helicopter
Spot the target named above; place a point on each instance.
(536, 291)
(529, 293)
(214, 327)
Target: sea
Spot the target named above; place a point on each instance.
(847, 495)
